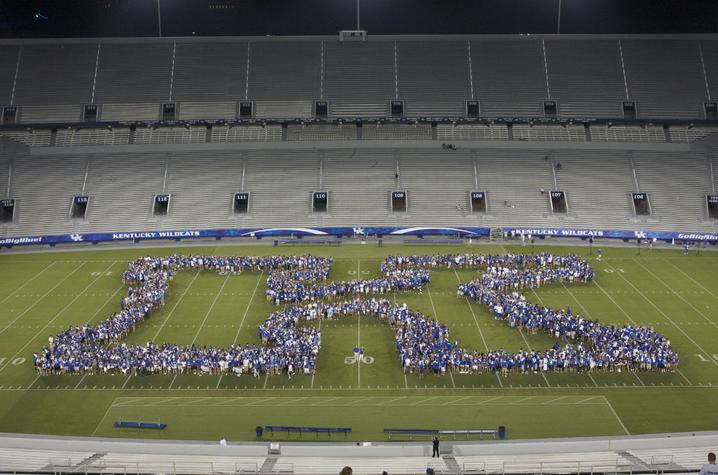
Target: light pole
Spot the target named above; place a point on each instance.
(558, 20)
(159, 18)
(358, 15)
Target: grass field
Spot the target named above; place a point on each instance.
(42, 294)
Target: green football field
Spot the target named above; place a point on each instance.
(42, 294)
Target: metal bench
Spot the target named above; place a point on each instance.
(140, 425)
(312, 430)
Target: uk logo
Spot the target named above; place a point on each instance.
(76, 237)
(358, 230)
(640, 234)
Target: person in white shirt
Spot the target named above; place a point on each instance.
(710, 468)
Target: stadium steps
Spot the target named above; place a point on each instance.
(88, 461)
(268, 465)
(633, 459)
(451, 464)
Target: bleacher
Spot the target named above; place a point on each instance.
(131, 79)
(121, 186)
(201, 458)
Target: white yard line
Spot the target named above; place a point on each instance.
(707, 386)
(635, 373)
(246, 310)
(90, 320)
(521, 400)
(206, 315)
(691, 278)
(27, 282)
(528, 346)
(44, 328)
(102, 420)
(676, 294)
(476, 321)
(157, 334)
(436, 316)
(403, 370)
(665, 315)
(315, 367)
(358, 332)
(684, 377)
(608, 403)
(358, 346)
(481, 403)
(239, 329)
(253, 403)
(386, 403)
(582, 401)
(551, 401)
(82, 263)
(450, 403)
(630, 320)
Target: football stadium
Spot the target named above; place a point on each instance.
(362, 245)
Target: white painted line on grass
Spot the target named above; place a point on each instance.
(608, 403)
(665, 315)
(676, 294)
(42, 297)
(27, 282)
(239, 329)
(582, 401)
(691, 278)
(196, 335)
(358, 332)
(476, 321)
(206, 316)
(157, 334)
(56, 315)
(551, 401)
(92, 317)
(109, 406)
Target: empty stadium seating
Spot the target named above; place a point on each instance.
(122, 184)
(124, 460)
(668, 77)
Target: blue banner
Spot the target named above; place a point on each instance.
(256, 233)
(611, 234)
(337, 232)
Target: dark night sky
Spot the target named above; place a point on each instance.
(91, 18)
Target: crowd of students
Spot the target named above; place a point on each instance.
(289, 345)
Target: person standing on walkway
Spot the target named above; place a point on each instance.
(435, 443)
